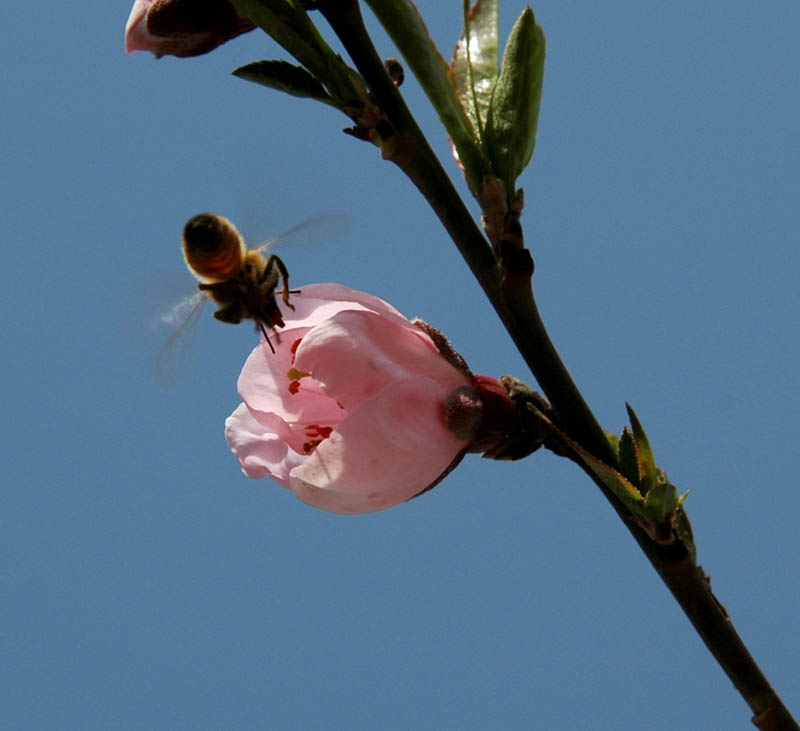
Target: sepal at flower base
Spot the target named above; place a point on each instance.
(524, 432)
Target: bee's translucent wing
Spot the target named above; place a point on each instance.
(326, 224)
(180, 321)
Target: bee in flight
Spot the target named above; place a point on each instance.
(240, 281)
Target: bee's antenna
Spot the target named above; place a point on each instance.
(266, 337)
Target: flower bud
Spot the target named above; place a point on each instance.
(182, 27)
(358, 409)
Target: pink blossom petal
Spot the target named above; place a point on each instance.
(262, 446)
(266, 387)
(315, 303)
(264, 378)
(392, 448)
(354, 355)
(136, 36)
(357, 410)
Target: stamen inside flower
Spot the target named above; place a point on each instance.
(295, 345)
(317, 434)
(294, 375)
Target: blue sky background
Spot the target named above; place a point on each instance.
(147, 584)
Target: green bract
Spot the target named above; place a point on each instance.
(514, 108)
(475, 62)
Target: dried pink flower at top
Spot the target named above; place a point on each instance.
(182, 27)
(358, 409)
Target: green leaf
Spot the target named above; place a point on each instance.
(661, 502)
(648, 472)
(403, 23)
(284, 76)
(615, 481)
(514, 110)
(289, 25)
(660, 513)
(629, 465)
(475, 61)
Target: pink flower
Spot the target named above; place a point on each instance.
(182, 27)
(358, 409)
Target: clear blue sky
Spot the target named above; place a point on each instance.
(147, 584)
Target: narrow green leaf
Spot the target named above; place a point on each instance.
(615, 481)
(649, 473)
(660, 513)
(286, 77)
(403, 23)
(628, 463)
(514, 110)
(289, 25)
(475, 61)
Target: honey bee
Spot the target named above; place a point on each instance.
(240, 281)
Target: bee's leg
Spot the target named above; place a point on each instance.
(232, 314)
(275, 261)
(266, 337)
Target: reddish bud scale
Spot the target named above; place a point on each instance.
(499, 413)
